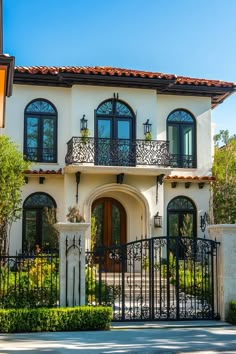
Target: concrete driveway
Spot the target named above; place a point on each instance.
(211, 337)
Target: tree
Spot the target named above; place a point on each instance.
(12, 167)
(224, 169)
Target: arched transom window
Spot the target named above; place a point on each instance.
(181, 133)
(40, 131)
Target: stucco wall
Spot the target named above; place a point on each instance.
(144, 198)
(72, 104)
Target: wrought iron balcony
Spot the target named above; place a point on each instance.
(117, 152)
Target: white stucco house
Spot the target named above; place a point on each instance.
(147, 151)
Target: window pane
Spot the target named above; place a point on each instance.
(104, 128)
(49, 234)
(173, 224)
(122, 110)
(30, 229)
(173, 139)
(115, 228)
(48, 140)
(105, 108)
(98, 212)
(32, 132)
(123, 129)
(188, 140)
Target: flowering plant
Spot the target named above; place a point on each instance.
(74, 215)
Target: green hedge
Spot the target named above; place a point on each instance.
(232, 312)
(55, 319)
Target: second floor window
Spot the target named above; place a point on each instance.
(115, 133)
(40, 131)
(181, 132)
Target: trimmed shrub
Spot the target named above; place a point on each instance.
(232, 312)
(55, 319)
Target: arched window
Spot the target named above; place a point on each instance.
(181, 217)
(40, 131)
(181, 133)
(39, 215)
(115, 131)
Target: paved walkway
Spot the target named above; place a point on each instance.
(206, 337)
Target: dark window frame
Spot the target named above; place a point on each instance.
(41, 116)
(113, 117)
(179, 160)
(114, 143)
(182, 211)
(39, 218)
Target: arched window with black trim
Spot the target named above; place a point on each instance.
(115, 131)
(39, 215)
(181, 134)
(181, 217)
(40, 131)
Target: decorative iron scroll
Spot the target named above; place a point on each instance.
(161, 278)
(117, 152)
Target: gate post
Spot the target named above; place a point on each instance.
(225, 273)
(72, 262)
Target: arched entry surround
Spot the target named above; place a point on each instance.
(138, 224)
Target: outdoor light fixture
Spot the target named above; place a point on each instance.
(147, 127)
(204, 221)
(157, 220)
(83, 123)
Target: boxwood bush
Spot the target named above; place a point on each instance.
(232, 312)
(55, 319)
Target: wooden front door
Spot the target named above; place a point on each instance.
(110, 224)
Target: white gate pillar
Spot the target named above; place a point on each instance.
(72, 262)
(226, 265)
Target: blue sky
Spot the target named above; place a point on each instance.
(194, 38)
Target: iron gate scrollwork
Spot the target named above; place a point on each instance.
(161, 278)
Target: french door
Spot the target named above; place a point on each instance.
(114, 134)
(110, 224)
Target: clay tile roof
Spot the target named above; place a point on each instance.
(43, 172)
(182, 80)
(96, 70)
(193, 178)
(110, 71)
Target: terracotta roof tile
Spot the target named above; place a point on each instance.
(43, 172)
(196, 178)
(110, 71)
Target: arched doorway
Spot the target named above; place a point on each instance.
(110, 226)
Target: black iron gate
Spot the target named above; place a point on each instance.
(161, 278)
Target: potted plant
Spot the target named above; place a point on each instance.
(85, 135)
(74, 215)
(148, 136)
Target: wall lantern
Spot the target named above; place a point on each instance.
(157, 220)
(6, 83)
(147, 127)
(204, 220)
(83, 123)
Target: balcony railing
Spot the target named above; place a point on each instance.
(117, 152)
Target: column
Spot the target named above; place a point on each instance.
(226, 265)
(72, 262)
